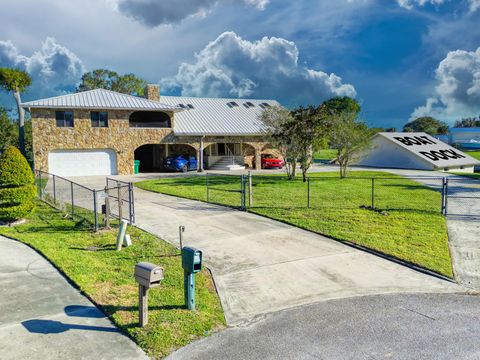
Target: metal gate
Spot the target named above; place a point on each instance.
(120, 200)
(462, 196)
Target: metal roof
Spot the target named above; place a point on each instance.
(218, 116)
(99, 99)
(194, 115)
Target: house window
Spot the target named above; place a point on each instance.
(99, 118)
(64, 118)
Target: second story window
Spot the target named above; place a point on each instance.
(64, 118)
(99, 118)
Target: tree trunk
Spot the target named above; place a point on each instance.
(21, 123)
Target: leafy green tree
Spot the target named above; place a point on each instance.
(17, 189)
(342, 104)
(428, 125)
(16, 81)
(111, 80)
(8, 131)
(280, 128)
(310, 129)
(350, 136)
(468, 122)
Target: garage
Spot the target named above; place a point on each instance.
(82, 162)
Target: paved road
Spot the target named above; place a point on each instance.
(43, 317)
(260, 265)
(402, 327)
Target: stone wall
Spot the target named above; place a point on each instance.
(118, 137)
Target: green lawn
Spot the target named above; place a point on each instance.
(410, 227)
(475, 154)
(325, 154)
(106, 276)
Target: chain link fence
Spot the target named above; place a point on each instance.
(376, 193)
(462, 197)
(81, 203)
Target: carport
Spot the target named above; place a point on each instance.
(151, 156)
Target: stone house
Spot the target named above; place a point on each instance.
(101, 132)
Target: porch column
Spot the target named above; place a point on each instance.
(200, 156)
(166, 150)
(258, 158)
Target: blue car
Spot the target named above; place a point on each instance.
(180, 163)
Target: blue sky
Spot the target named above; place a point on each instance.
(399, 58)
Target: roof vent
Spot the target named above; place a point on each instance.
(232, 104)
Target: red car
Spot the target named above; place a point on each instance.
(270, 162)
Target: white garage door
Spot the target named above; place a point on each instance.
(82, 162)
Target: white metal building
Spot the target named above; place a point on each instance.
(418, 151)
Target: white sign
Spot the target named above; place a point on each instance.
(432, 150)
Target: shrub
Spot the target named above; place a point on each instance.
(17, 189)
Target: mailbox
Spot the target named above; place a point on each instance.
(148, 275)
(191, 260)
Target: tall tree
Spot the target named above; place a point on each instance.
(342, 104)
(280, 127)
(16, 81)
(111, 80)
(428, 125)
(350, 136)
(310, 126)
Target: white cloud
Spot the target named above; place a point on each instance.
(474, 5)
(156, 12)
(230, 66)
(457, 93)
(409, 4)
(53, 68)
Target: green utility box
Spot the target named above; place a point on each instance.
(191, 259)
(191, 263)
(136, 166)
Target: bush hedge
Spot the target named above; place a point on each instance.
(17, 188)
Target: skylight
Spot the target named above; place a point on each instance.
(232, 104)
(190, 106)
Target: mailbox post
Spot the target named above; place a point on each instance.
(148, 276)
(191, 263)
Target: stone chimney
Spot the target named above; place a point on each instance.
(152, 92)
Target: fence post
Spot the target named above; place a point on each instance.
(120, 202)
(308, 192)
(446, 196)
(373, 193)
(206, 184)
(107, 209)
(130, 202)
(243, 199)
(250, 189)
(54, 192)
(95, 215)
(73, 203)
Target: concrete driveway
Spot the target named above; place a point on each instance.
(261, 265)
(43, 317)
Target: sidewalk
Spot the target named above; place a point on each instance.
(43, 317)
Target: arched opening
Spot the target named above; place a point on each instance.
(152, 156)
(149, 119)
(220, 155)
